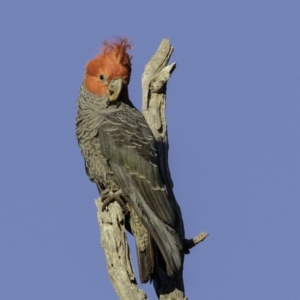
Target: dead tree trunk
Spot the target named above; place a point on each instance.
(111, 221)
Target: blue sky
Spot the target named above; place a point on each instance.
(233, 117)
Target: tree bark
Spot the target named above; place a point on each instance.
(111, 221)
(156, 74)
(118, 260)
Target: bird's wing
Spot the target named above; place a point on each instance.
(128, 144)
(129, 147)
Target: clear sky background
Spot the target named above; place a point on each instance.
(233, 110)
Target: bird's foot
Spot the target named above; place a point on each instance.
(109, 196)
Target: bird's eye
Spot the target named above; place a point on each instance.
(102, 77)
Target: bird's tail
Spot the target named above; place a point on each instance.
(166, 238)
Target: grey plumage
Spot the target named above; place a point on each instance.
(119, 152)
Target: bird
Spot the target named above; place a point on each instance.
(121, 158)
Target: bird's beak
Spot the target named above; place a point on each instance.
(115, 87)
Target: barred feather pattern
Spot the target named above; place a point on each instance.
(119, 152)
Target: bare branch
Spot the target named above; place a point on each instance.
(154, 80)
(188, 244)
(112, 220)
(118, 260)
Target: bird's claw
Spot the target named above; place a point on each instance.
(109, 196)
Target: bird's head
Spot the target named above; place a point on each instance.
(108, 74)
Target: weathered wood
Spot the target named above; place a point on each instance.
(111, 221)
(116, 249)
(155, 77)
